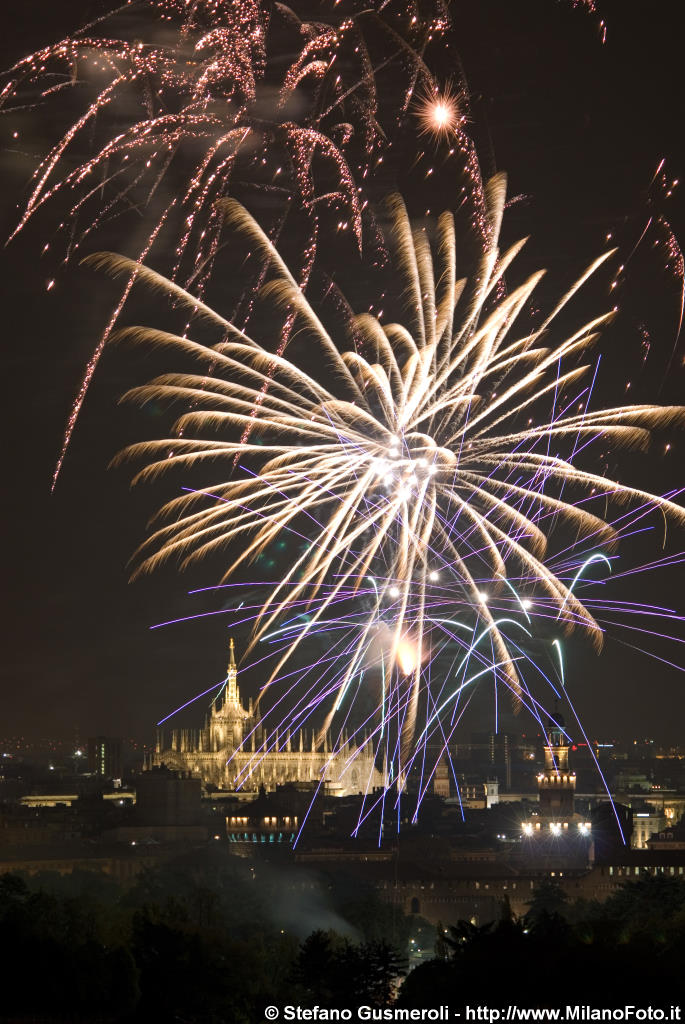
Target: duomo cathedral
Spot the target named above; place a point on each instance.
(232, 752)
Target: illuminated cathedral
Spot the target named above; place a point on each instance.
(233, 751)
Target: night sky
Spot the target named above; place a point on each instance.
(580, 128)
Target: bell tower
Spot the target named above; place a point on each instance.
(556, 784)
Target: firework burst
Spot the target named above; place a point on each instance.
(417, 466)
(440, 112)
(221, 98)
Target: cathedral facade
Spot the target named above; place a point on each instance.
(233, 752)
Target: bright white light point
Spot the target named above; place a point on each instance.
(394, 592)
(556, 828)
(421, 462)
(526, 603)
(482, 597)
(433, 575)
(528, 829)
(441, 114)
(407, 655)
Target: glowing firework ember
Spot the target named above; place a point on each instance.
(439, 113)
(420, 471)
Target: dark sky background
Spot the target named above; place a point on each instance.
(580, 128)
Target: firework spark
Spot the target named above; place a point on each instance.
(428, 468)
(440, 113)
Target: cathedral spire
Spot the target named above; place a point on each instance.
(232, 696)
